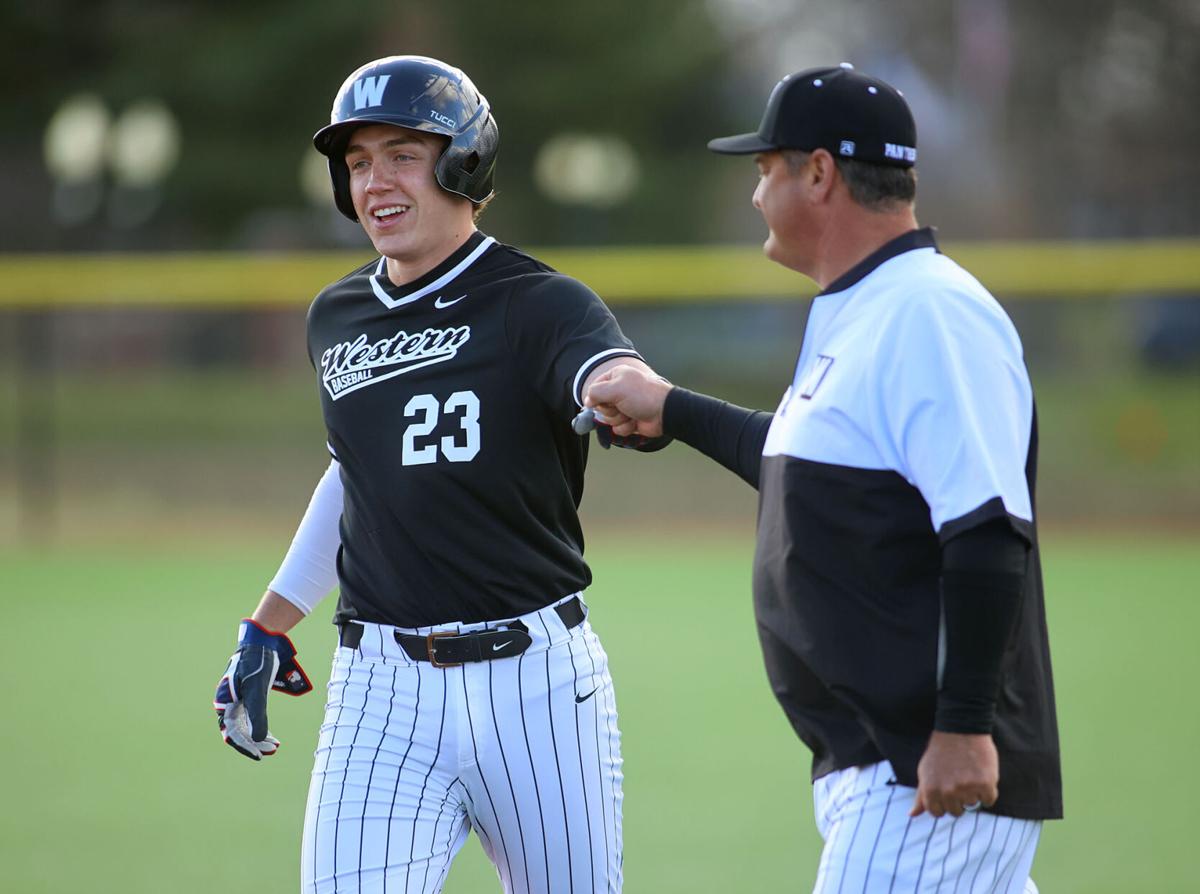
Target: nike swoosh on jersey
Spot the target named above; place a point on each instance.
(439, 303)
(580, 699)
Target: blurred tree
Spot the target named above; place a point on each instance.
(1074, 118)
(250, 84)
(1071, 119)
(647, 72)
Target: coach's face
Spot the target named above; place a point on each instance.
(785, 198)
(409, 217)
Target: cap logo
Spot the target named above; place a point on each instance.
(847, 147)
(900, 153)
(369, 91)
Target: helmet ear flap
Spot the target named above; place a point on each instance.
(468, 164)
(340, 175)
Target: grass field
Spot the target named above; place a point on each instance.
(115, 779)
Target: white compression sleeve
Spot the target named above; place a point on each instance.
(309, 570)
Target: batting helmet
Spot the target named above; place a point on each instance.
(421, 94)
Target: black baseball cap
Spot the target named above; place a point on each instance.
(839, 109)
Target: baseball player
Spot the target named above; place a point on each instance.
(897, 583)
(468, 690)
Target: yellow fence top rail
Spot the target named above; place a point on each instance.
(620, 275)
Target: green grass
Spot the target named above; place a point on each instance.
(115, 779)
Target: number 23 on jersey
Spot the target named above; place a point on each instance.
(426, 409)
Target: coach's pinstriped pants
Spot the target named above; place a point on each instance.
(872, 846)
(411, 757)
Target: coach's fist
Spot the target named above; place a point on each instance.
(263, 661)
(958, 773)
(630, 400)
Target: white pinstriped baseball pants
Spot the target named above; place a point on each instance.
(872, 846)
(411, 757)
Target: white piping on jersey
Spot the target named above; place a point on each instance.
(392, 303)
(592, 362)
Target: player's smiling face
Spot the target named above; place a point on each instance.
(411, 220)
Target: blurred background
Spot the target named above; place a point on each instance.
(167, 222)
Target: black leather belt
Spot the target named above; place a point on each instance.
(447, 649)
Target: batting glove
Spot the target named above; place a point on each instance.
(262, 662)
(586, 421)
(605, 438)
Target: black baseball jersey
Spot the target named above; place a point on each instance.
(910, 419)
(448, 403)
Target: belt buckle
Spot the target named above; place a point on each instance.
(429, 644)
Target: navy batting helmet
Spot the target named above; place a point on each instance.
(421, 94)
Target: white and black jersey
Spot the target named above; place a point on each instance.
(910, 419)
(447, 403)
(909, 424)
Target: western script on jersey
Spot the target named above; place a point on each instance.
(896, 434)
(447, 404)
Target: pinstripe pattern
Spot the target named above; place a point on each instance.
(320, 770)
(925, 853)
(512, 791)
(562, 792)
(873, 846)
(387, 845)
(450, 847)
(900, 852)
(868, 875)
(610, 771)
(979, 863)
(437, 822)
(587, 811)
(363, 816)
(1000, 854)
(973, 819)
(416, 821)
(1005, 882)
(506, 869)
(537, 789)
(411, 757)
(945, 857)
(600, 774)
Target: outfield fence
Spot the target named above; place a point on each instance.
(687, 274)
(145, 389)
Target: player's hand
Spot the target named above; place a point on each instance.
(958, 773)
(630, 400)
(263, 661)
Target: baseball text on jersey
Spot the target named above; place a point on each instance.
(351, 365)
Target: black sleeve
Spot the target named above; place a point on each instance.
(729, 434)
(983, 577)
(559, 331)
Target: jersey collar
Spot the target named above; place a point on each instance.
(925, 237)
(439, 277)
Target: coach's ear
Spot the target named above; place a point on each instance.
(821, 176)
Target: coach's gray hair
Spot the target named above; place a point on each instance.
(875, 187)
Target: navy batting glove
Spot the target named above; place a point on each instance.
(586, 421)
(606, 439)
(262, 662)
